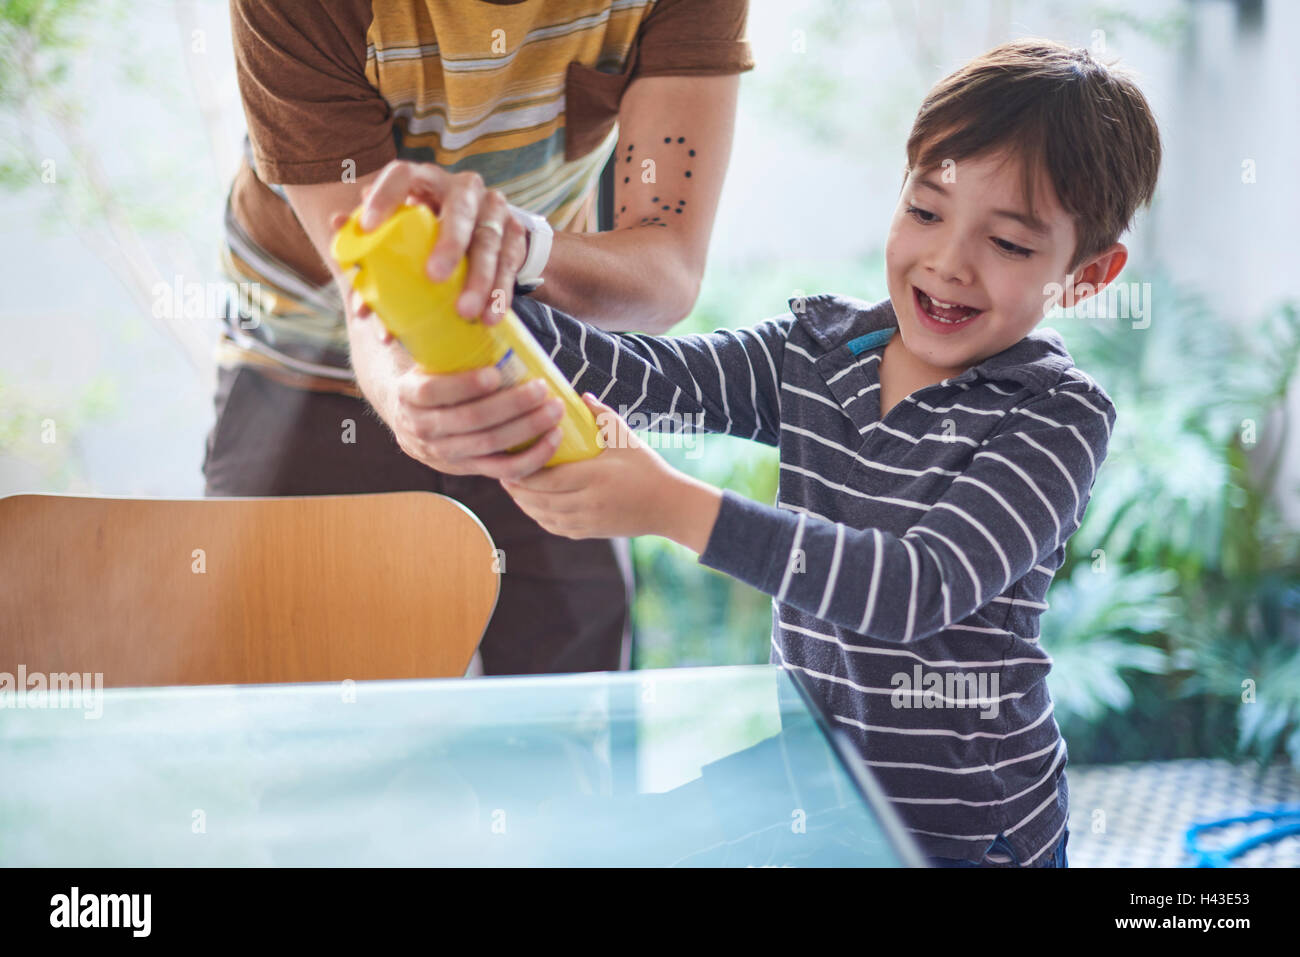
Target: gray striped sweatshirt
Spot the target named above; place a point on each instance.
(909, 558)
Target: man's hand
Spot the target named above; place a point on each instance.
(461, 424)
(473, 221)
(458, 424)
(626, 490)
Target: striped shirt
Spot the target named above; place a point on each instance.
(908, 559)
(524, 92)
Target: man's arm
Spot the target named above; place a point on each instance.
(675, 137)
(376, 366)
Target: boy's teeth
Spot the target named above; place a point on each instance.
(947, 312)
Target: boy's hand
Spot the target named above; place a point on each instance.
(626, 490)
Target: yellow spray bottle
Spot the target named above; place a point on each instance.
(389, 263)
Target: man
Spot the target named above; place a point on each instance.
(500, 115)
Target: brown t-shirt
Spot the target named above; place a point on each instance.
(525, 92)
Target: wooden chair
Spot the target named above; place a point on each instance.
(243, 590)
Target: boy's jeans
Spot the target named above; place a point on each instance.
(1004, 856)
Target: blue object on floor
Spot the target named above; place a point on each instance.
(1223, 858)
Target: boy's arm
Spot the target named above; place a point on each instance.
(1023, 495)
(727, 381)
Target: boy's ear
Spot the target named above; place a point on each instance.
(1096, 274)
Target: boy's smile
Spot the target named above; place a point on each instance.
(967, 266)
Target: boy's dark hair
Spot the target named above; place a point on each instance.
(1054, 108)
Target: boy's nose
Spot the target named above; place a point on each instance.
(947, 259)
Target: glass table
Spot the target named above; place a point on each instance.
(730, 766)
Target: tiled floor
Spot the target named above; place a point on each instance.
(1137, 815)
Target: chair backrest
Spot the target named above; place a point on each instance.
(243, 590)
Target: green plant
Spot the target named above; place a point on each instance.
(1243, 648)
(1188, 490)
(1095, 622)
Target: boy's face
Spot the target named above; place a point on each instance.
(952, 240)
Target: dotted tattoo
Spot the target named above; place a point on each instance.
(655, 219)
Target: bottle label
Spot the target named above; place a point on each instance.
(512, 369)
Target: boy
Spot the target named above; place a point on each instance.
(937, 450)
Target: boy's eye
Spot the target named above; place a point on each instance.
(927, 218)
(1012, 248)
